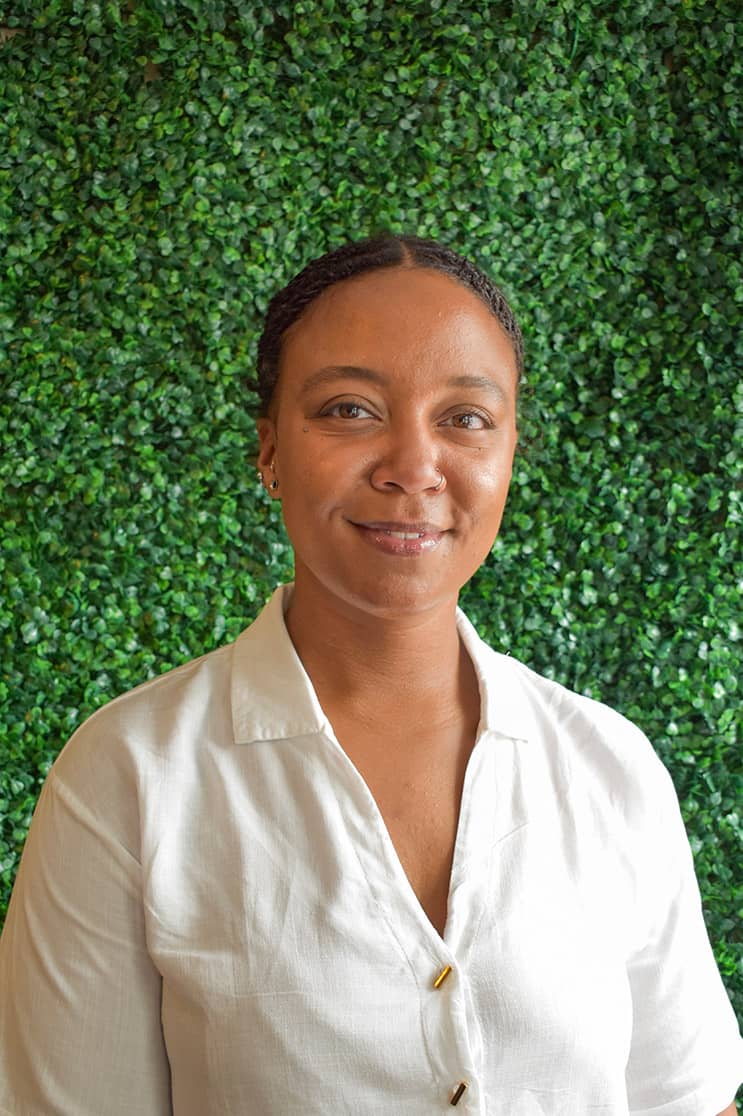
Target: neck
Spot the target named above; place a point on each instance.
(353, 657)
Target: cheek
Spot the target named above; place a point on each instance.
(488, 482)
(322, 472)
(488, 514)
(297, 460)
(312, 485)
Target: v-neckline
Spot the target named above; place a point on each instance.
(377, 849)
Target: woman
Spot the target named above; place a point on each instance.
(357, 861)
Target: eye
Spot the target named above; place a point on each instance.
(346, 409)
(469, 420)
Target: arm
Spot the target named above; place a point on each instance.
(685, 1040)
(80, 1011)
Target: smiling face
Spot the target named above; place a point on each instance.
(392, 434)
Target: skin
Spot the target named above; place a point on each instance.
(352, 450)
(355, 450)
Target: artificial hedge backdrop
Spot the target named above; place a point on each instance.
(165, 167)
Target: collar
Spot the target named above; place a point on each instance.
(506, 696)
(273, 697)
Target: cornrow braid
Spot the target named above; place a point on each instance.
(354, 258)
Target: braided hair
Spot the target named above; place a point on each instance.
(353, 258)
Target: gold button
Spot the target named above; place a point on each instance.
(458, 1093)
(442, 976)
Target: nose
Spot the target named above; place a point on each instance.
(407, 462)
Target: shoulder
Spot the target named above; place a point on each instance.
(111, 773)
(172, 730)
(164, 710)
(597, 751)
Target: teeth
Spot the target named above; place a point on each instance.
(405, 534)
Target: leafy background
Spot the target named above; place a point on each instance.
(165, 167)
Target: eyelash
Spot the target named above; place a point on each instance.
(329, 411)
(487, 423)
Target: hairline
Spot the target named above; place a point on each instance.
(407, 261)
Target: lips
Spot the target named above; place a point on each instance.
(403, 528)
(404, 539)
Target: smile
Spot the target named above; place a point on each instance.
(401, 539)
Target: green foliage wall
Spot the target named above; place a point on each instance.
(165, 167)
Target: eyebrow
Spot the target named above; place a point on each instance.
(333, 372)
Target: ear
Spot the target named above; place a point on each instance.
(267, 448)
(267, 440)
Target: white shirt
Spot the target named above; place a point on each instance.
(210, 916)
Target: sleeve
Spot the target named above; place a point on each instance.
(80, 1031)
(686, 1056)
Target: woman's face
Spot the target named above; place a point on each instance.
(389, 382)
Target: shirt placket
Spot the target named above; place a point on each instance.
(452, 1028)
(449, 1023)
(453, 1037)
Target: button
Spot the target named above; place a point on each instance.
(458, 1093)
(442, 976)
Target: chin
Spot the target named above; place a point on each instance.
(386, 595)
(389, 599)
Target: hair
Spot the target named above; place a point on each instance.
(384, 250)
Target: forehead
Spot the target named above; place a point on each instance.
(401, 318)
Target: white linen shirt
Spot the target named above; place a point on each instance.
(210, 916)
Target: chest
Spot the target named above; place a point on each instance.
(282, 934)
(417, 787)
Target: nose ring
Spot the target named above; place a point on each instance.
(438, 487)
